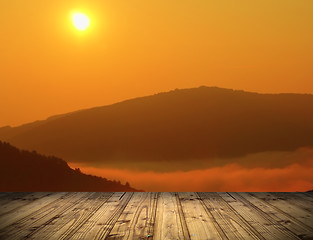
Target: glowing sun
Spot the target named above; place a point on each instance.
(80, 21)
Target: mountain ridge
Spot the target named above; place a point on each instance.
(53, 117)
(197, 123)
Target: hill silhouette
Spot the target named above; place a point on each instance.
(28, 171)
(180, 125)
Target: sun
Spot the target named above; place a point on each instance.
(80, 21)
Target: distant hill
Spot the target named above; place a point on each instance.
(28, 171)
(180, 125)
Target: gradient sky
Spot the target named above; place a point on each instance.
(139, 47)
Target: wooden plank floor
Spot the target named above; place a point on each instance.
(156, 215)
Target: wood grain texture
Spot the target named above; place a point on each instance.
(164, 216)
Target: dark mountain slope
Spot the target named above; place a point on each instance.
(8, 132)
(179, 125)
(29, 171)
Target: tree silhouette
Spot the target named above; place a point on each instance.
(30, 171)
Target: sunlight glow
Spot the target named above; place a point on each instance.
(80, 21)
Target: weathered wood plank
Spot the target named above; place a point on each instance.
(8, 197)
(294, 212)
(31, 209)
(184, 216)
(280, 217)
(232, 223)
(199, 223)
(37, 220)
(13, 203)
(137, 219)
(103, 220)
(298, 199)
(305, 196)
(309, 194)
(262, 223)
(73, 219)
(170, 222)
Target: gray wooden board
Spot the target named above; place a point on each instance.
(164, 216)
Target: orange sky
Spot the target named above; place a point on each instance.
(139, 47)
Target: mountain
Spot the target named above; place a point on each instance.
(180, 125)
(28, 171)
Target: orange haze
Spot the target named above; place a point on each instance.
(232, 177)
(140, 47)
